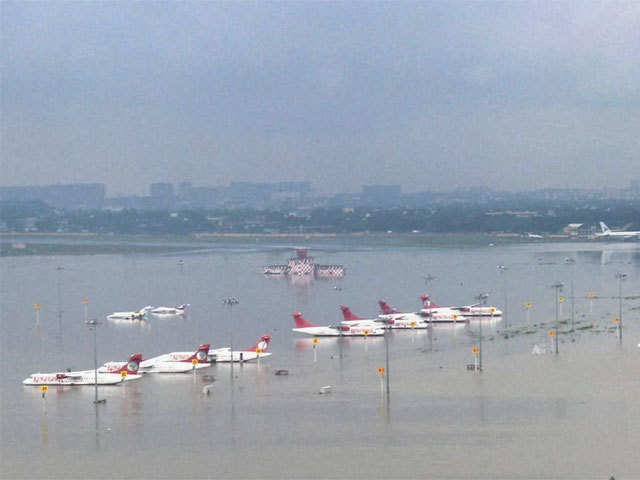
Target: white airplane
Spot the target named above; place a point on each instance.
(476, 310)
(259, 350)
(179, 310)
(607, 233)
(395, 323)
(433, 315)
(132, 367)
(139, 315)
(126, 370)
(303, 326)
(177, 362)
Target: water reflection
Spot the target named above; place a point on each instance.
(44, 424)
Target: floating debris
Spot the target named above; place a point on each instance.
(207, 389)
(539, 350)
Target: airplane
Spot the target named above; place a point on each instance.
(115, 372)
(177, 362)
(607, 233)
(476, 310)
(87, 377)
(179, 310)
(259, 350)
(139, 315)
(433, 315)
(303, 326)
(395, 323)
(131, 367)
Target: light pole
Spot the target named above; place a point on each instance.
(503, 273)
(482, 298)
(386, 347)
(230, 302)
(93, 325)
(621, 277)
(558, 288)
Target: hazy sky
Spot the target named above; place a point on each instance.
(433, 96)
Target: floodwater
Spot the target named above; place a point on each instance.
(574, 415)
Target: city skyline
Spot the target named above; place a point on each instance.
(430, 96)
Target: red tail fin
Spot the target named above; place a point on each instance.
(201, 354)
(348, 314)
(385, 308)
(426, 301)
(261, 344)
(301, 322)
(131, 367)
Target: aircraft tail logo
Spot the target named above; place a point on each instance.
(262, 344)
(201, 354)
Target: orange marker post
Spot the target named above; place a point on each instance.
(315, 344)
(85, 302)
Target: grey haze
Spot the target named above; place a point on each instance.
(433, 96)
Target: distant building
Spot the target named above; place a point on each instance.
(381, 195)
(162, 190)
(162, 195)
(579, 230)
(75, 196)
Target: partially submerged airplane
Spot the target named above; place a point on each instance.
(620, 235)
(139, 315)
(393, 323)
(303, 326)
(177, 362)
(179, 310)
(125, 370)
(132, 367)
(426, 315)
(259, 350)
(476, 310)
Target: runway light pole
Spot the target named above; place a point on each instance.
(386, 372)
(558, 288)
(503, 273)
(621, 277)
(230, 302)
(482, 298)
(93, 325)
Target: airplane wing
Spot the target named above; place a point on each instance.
(219, 350)
(149, 362)
(74, 374)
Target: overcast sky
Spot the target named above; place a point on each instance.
(433, 96)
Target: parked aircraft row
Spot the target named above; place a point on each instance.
(175, 362)
(156, 311)
(390, 318)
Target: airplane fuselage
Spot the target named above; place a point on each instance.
(74, 378)
(345, 331)
(223, 355)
